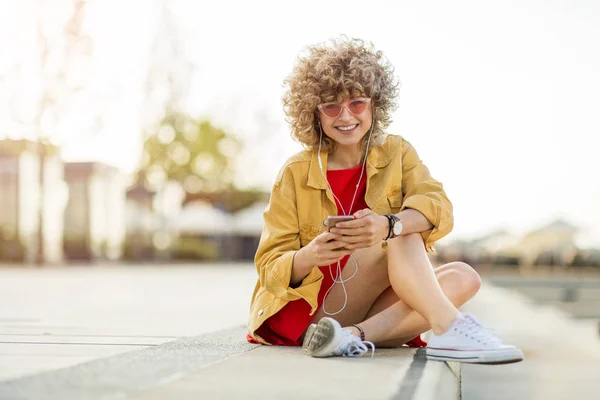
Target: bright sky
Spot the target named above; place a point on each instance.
(500, 99)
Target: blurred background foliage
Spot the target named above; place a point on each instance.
(191, 151)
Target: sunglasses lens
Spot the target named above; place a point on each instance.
(332, 110)
(357, 106)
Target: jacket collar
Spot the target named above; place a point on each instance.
(379, 157)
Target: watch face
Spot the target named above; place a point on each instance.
(397, 228)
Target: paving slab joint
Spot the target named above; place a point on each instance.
(128, 372)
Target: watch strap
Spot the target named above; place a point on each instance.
(390, 226)
(395, 219)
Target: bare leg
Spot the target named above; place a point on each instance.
(391, 323)
(413, 280)
(370, 296)
(416, 299)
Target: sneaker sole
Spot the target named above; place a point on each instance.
(318, 337)
(505, 356)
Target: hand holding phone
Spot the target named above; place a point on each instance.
(332, 220)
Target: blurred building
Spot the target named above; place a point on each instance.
(140, 223)
(202, 218)
(498, 247)
(247, 228)
(95, 213)
(204, 232)
(207, 231)
(552, 244)
(19, 203)
(152, 221)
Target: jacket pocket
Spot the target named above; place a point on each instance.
(395, 202)
(308, 233)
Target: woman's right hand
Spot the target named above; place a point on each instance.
(325, 249)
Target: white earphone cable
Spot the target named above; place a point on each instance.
(339, 267)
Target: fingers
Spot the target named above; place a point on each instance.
(329, 249)
(330, 242)
(328, 236)
(334, 245)
(361, 218)
(347, 231)
(339, 254)
(365, 233)
(360, 241)
(363, 213)
(352, 239)
(355, 223)
(358, 245)
(360, 232)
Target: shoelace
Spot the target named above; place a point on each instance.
(352, 346)
(475, 330)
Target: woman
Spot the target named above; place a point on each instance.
(366, 281)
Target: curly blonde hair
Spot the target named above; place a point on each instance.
(346, 68)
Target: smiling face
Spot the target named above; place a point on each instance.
(350, 125)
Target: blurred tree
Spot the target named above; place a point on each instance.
(57, 67)
(59, 83)
(170, 70)
(189, 151)
(178, 147)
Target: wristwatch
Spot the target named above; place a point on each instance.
(396, 225)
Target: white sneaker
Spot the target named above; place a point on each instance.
(468, 341)
(329, 339)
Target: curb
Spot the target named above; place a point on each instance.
(222, 365)
(114, 376)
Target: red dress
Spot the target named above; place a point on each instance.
(287, 326)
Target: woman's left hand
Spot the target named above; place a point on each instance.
(366, 229)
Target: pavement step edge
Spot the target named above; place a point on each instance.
(456, 369)
(116, 376)
(113, 376)
(430, 380)
(273, 372)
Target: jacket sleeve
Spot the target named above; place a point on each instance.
(426, 195)
(279, 242)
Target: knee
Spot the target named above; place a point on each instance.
(416, 236)
(467, 278)
(414, 240)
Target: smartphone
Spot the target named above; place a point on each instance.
(333, 220)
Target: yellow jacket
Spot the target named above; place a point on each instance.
(300, 204)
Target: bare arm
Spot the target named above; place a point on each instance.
(300, 268)
(413, 222)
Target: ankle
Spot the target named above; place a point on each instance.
(441, 326)
(355, 331)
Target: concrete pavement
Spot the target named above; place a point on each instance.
(57, 317)
(146, 332)
(153, 332)
(220, 366)
(562, 354)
